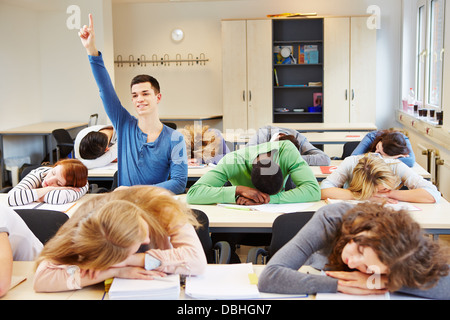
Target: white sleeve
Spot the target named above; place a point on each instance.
(65, 195)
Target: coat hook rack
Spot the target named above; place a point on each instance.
(164, 60)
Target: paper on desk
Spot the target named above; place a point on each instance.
(269, 207)
(137, 289)
(343, 296)
(396, 206)
(223, 281)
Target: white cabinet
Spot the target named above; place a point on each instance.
(349, 70)
(247, 73)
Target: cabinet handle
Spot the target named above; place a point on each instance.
(346, 97)
(243, 95)
(353, 94)
(249, 96)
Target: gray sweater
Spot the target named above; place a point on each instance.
(312, 155)
(314, 240)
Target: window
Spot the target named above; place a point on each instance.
(430, 52)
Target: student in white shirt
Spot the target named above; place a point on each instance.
(96, 146)
(17, 243)
(377, 178)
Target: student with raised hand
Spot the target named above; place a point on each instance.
(103, 237)
(364, 249)
(376, 178)
(312, 155)
(388, 143)
(257, 175)
(96, 146)
(149, 153)
(17, 243)
(66, 181)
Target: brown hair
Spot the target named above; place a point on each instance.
(146, 78)
(93, 145)
(202, 142)
(101, 231)
(75, 172)
(413, 260)
(393, 142)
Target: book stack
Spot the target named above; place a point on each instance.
(308, 54)
(166, 288)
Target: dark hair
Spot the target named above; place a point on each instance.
(393, 142)
(146, 78)
(267, 177)
(93, 145)
(290, 138)
(413, 260)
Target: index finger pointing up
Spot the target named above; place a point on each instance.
(91, 21)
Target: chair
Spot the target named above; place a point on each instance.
(64, 143)
(348, 148)
(26, 169)
(284, 228)
(43, 223)
(171, 125)
(220, 253)
(93, 119)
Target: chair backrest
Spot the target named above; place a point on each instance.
(348, 148)
(64, 142)
(285, 227)
(93, 119)
(171, 125)
(203, 234)
(43, 223)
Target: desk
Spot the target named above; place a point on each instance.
(198, 120)
(327, 137)
(314, 127)
(43, 129)
(25, 291)
(433, 218)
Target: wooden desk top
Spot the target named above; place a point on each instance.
(191, 117)
(327, 126)
(43, 127)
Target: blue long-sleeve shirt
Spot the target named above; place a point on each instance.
(366, 142)
(161, 163)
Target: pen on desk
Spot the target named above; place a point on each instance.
(238, 208)
(162, 279)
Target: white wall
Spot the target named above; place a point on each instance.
(45, 73)
(44, 56)
(144, 28)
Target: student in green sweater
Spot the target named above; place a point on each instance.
(257, 175)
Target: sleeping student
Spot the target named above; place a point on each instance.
(102, 240)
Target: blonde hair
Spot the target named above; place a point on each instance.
(102, 230)
(201, 142)
(371, 172)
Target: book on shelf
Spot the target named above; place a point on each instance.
(317, 99)
(276, 77)
(308, 54)
(315, 83)
(283, 55)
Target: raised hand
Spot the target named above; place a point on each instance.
(87, 37)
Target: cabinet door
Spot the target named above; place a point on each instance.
(349, 70)
(336, 70)
(234, 69)
(259, 73)
(362, 71)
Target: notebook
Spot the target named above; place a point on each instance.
(223, 281)
(166, 288)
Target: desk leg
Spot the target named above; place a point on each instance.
(2, 163)
(48, 147)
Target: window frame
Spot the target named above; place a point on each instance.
(424, 65)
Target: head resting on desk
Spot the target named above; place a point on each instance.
(389, 143)
(412, 259)
(93, 145)
(108, 228)
(68, 173)
(372, 175)
(266, 175)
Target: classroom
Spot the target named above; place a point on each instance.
(330, 73)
